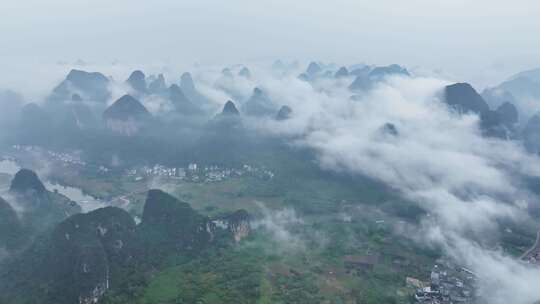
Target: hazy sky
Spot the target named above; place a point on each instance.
(480, 41)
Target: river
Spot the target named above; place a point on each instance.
(87, 202)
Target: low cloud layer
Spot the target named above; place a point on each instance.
(402, 134)
(280, 225)
(466, 182)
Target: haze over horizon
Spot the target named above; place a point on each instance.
(481, 42)
(235, 152)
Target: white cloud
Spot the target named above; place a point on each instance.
(466, 182)
(279, 224)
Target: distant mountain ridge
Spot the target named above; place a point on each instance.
(259, 104)
(126, 115)
(521, 89)
(366, 77)
(137, 81)
(464, 99)
(92, 86)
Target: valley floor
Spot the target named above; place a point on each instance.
(317, 237)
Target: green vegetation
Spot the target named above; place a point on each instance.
(339, 218)
(225, 276)
(264, 270)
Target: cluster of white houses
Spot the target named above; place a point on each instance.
(63, 157)
(196, 173)
(449, 284)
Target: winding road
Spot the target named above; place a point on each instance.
(535, 247)
(124, 201)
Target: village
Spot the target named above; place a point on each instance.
(192, 173)
(198, 173)
(449, 283)
(66, 159)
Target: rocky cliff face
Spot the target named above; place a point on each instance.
(238, 224)
(76, 262)
(87, 246)
(170, 223)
